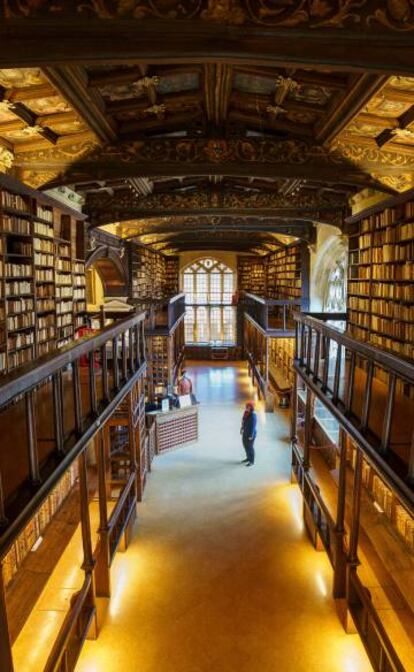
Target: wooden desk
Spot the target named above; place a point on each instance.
(175, 428)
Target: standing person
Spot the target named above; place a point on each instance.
(248, 431)
(185, 386)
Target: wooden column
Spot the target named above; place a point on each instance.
(102, 571)
(6, 659)
(308, 428)
(339, 582)
(356, 508)
(88, 561)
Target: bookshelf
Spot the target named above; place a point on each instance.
(251, 275)
(380, 278)
(40, 274)
(281, 357)
(286, 272)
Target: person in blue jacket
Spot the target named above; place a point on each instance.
(248, 431)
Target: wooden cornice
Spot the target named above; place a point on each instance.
(72, 83)
(364, 40)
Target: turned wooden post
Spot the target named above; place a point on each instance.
(32, 438)
(356, 508)
(88, 561)
(294, 411)
(102, 571)
(308, 428)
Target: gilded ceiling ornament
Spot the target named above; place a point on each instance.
(275, 110)
(403, 133)
(158, 110)
(225, 11)
(6, 159)
(30, 131)
(6, 106)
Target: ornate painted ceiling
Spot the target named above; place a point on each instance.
(256, 142)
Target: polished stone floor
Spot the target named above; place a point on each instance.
(220, 576)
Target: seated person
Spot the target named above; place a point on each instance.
(185, 385)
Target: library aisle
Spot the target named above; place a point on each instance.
(220, 575)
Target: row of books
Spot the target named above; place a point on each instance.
(38, 525)
(41, 229)
(15, 201)
(396, 272)
(391, 253)
(19, 247)
(63, 320)
(43, 259)
(19, 357)
(18, 288)
(23, 320)
(46, 321)
(15, 225)
(64, 265)
(380, 220)
(20, 340)
(41, 245)
(385, 499)
(18, 270)
(44, 213)
(393, 328)
(44, 274)
(45, 334)
(64, 307)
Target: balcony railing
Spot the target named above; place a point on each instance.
(162, 314)
(273, 315)
(354, 379)
(51, 408)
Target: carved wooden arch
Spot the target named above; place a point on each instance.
(111, 269)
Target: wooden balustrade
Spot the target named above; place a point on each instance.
(352, 380)
(82, 391)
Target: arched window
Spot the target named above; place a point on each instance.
(209, 285)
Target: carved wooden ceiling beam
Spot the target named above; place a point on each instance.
(72, 83)
(353, 36)
(104, 208)
(242, 157)
(344, 110)
(296, 228)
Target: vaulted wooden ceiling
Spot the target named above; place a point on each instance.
(217, 135)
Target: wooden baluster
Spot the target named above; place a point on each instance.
(356, 508)
(6, 659)
(88, 561)
(337, 374)
(103, 575)
(351, 379)
(302, 344)
(284, 318)
(325, 371)
(57, 413)
(296, 340)
(92, 383)
(3, 517)
(137, 347)
(308, 428)
(105, 381)
(368, 395)
(77, 397)
(124, 356)
(386, 427)
(32, 438)
(317, 355)
(115, 362)
(131, 349)
(142, 342)
(309, 350)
